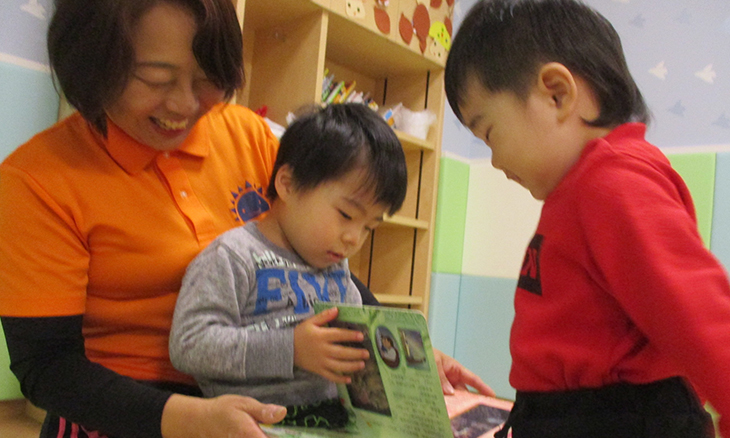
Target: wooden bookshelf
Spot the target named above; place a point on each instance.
(288, 45)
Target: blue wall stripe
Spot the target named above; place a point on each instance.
(486, 312)
(29, 105)
(443, 311)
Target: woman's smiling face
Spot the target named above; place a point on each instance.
(167, 92)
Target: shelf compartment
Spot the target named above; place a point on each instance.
(388, 261)
(410, 142)
(362, 49)
(283, 62)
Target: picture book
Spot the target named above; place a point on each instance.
(398, 394)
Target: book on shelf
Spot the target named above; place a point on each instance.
(398, 394)
(344, 92)
(327, 84)
(335, 90)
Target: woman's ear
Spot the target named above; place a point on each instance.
(557, 83)
(284, 182)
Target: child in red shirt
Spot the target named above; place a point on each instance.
(620, 310)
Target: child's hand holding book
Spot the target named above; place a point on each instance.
(318, 348)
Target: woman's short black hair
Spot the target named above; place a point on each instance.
(329, 142)
(503, 44)
(92, 56)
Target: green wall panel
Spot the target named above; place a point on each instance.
(698, 171)
(721, 214)
(9, 386)
(28, 104)
(450, 216)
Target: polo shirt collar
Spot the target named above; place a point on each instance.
(134, 156)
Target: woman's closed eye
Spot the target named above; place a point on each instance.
(155, 83)
(155, 75)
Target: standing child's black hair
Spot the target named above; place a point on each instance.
(329, 142)
(503, 43)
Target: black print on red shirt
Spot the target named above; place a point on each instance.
(530, 273)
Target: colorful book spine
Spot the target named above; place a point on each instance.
(327, 84)
(334, 92)
(345, 92)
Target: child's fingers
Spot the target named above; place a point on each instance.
(341, 369)
(323, 318)
(334, 334)
(341, 352)
(346, 366)
(335, 377)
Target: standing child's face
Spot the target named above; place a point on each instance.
(522, 134)
(330, 222)
(168, 92)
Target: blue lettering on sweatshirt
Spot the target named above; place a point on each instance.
(271, 281)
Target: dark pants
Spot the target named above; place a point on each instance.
(664, 409)
(328, 414)
(55, 426)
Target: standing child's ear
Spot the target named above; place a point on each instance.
(284, 182)
(556, 82)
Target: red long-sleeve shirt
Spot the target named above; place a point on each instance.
(617, 285)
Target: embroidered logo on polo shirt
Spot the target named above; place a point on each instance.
(530, 273)
(248, 202)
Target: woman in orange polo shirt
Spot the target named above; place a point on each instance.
(101, 213)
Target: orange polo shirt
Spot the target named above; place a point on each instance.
(106, 227)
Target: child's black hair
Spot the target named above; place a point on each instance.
(503, 43)
(326, 144)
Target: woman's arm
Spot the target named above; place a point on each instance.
(47, 356)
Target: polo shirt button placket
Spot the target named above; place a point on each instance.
(185, 198)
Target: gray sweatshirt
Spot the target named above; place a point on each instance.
(233, 327)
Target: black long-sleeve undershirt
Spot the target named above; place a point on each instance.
(47, 356)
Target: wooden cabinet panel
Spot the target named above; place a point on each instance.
(288, 46)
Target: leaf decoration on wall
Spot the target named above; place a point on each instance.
(449, 26)
(422, 44)
(382, 20)
(421, 24)
(450, 2)
(435, 4)
(406, 29)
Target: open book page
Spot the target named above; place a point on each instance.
(475, 415)
(398, 394)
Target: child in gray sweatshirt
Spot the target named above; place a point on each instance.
(244, 322)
